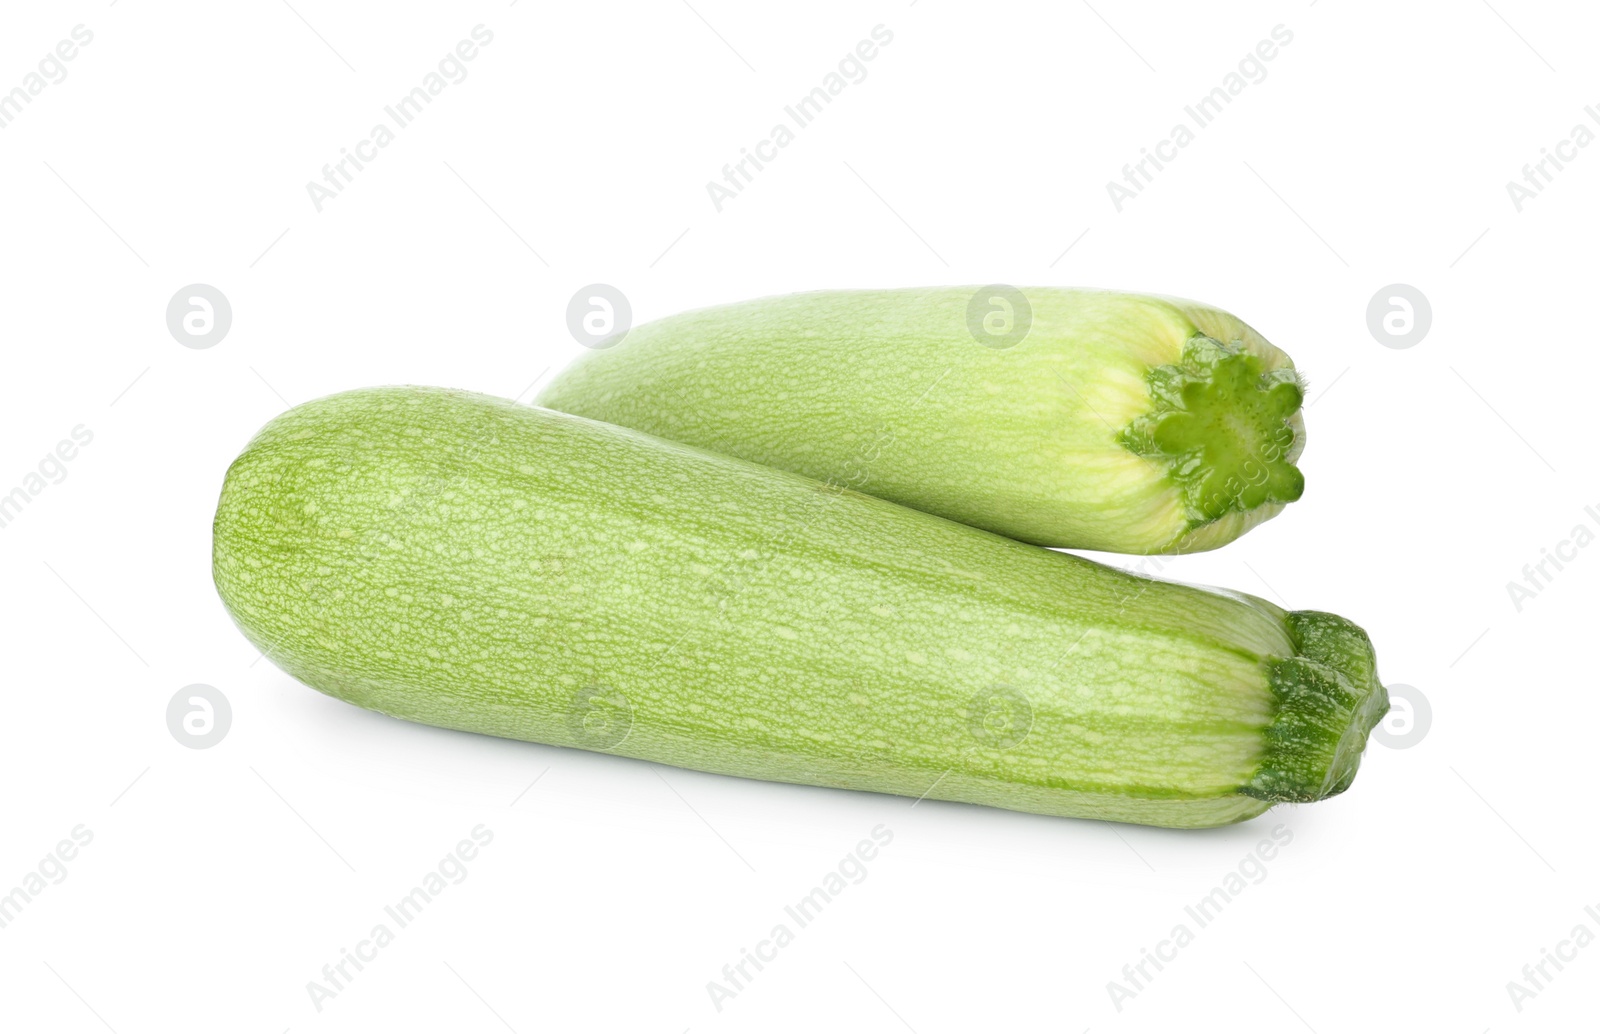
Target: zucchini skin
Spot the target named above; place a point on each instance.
(1119, 422)
(470, 563)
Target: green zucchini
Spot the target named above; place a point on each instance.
(1099, 420)
(471, 563)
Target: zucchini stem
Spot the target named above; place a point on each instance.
(1226, 429)
(1328, 698)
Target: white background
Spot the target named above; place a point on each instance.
(220, 881)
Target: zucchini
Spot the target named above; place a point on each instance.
(1101, 420)
(471, 563)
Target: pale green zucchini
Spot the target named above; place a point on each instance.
(1099, 420)
(470, 563)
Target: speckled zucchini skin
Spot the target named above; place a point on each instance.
(467, 562)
